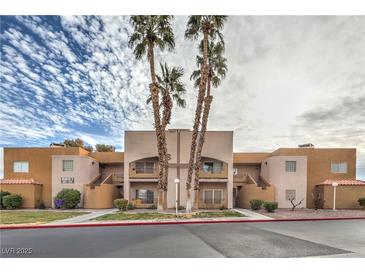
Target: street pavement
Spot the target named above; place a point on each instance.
(345, 238)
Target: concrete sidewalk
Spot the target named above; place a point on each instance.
(251, 215)
(86, 217)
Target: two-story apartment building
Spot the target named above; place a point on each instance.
(227, 179)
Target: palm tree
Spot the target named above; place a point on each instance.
(171, 89)
(151, 31)
(217, 70)
(209, 26)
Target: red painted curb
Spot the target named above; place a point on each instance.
(175, 223)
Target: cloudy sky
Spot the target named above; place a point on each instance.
(291, 80)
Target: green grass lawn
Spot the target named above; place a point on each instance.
(216, 214)
(119, 216)
(39, 217)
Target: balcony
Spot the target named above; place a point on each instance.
(213, 169)
(144, 169)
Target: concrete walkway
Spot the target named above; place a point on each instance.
(85, 217)
(251, 215)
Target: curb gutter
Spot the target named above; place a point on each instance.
(171, 223)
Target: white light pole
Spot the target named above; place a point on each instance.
(177, 181)
(334, 195)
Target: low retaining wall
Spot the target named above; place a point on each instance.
(346, 196)
(249, 192)
(31, 193)
(100, 196)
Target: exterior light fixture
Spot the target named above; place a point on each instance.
(177, 181)
(334, 185)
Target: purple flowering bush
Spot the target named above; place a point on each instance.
(58, 203)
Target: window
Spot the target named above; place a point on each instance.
(213, 196)
(213, 167)
(145, 167)
(290, 194)
(235, 171)
(21, 167)
(340, 167)
(67, 180)
(208, 167)
(68, 165)
(145, 195)
(290, 166)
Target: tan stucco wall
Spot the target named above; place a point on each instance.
(100, 196)
(346, 196)
(319, 164)
(249, 192)
(31, 193)
(142, 144)
(40, 165)
(108, 157)
(85, 169)
(273, 171)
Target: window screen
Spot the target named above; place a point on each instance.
(290, 166)
(208, 196)
(290, 194)
(340, 167)
(68, 165)
(213, 196)
(145, 195)
(218, 196)
(21, 167)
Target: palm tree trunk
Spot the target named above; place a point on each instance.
(160, 134)
(198, 112)
(166, 116)
(207, 103)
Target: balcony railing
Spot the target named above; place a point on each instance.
(221, 174)
(143, 173)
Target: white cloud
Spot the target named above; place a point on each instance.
(285, 74)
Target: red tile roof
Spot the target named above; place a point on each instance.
(344, 182)
(18, 182)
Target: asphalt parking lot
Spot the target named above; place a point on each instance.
(243, 240)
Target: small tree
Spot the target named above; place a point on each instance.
(362, 202)
(294, 205)
(104, 148)
(318, 199)
(74, 142)
(78, 143)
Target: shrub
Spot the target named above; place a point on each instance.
(3, 194)
(362, 202)
(40, 205)
(222, 207)
(270, 206)
(318, 199)
(256, 204)
(121, 204)
(71, 198)
(12, 201)
(130, 206)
